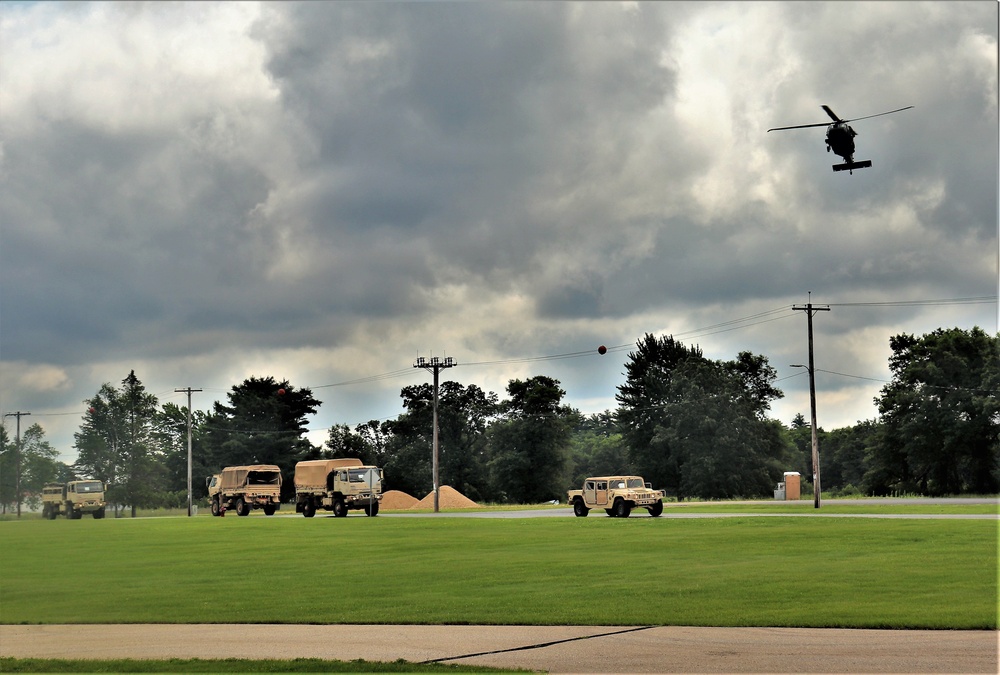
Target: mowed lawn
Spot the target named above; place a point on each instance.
(735, 571)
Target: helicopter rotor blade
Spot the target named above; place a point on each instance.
(801, 126)
(880, 114)
(832, 114)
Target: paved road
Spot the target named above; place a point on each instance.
(557, 649)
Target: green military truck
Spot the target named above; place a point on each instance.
(617, 495)
(245, 488)
(337, 485)
(73, 499)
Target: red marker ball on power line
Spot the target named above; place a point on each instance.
(602, 350)
(92, 411)
(281, 392)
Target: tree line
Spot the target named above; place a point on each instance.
(697, 427)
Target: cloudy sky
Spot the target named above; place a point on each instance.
(324, 192)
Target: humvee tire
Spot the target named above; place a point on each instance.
(656, 509)
(622, 509)
(579, 509)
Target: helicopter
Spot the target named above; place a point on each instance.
(840, 138)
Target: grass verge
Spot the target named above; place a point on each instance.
(735, 571)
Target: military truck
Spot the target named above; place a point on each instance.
(337, 485)
(245, 488)
(73, 499)
(617, 495)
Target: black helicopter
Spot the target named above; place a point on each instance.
(840, 138)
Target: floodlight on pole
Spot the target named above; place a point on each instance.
(435, 365)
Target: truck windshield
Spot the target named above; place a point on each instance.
(92, 486)
(635, 483)
(360, 475)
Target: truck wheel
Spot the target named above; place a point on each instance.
(216, 509)
(242, 508)
(579, 509)
(98, 514)
(45, 512)
(371, 510)
(656, 509)
(622, 509)
(610, 512)
(339, 508)
(53, 513)
(269, 509)
(309, 509)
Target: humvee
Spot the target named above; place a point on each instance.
(337, 485)
(244, 488)
(73, 499)
(617, 495)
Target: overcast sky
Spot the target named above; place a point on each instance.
(324, 192)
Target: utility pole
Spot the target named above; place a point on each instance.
(435, 365)
(809, 309)
(17, 458)
(189, 390)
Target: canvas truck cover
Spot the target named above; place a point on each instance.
(234, 477)
(313, 473)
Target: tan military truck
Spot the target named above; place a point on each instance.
(245, 488)
(337, 485)
(617, 495)
(73, 499)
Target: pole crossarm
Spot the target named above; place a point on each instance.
(435, 365)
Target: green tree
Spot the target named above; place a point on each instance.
(263, 423)
(114, 443)
(464, 413)
(641, 401)
(713, 432)
(8, 469)
(940, 431)
(597, 449)
(530, 443)
(700, 427)
(169, 438)
(844, 455)
(39, 464)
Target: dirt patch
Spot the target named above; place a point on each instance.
(448, 498)
(397, 499)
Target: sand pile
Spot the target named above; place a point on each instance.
(396, 499)
(448, 498)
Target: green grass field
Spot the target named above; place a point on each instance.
(734, 571)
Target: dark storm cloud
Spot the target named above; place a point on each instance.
(326, 190)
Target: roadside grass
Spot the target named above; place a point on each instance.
(10, 665)
(734, 571)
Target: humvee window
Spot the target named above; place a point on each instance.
(635, 483)
(590, 485)
(603, 485)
